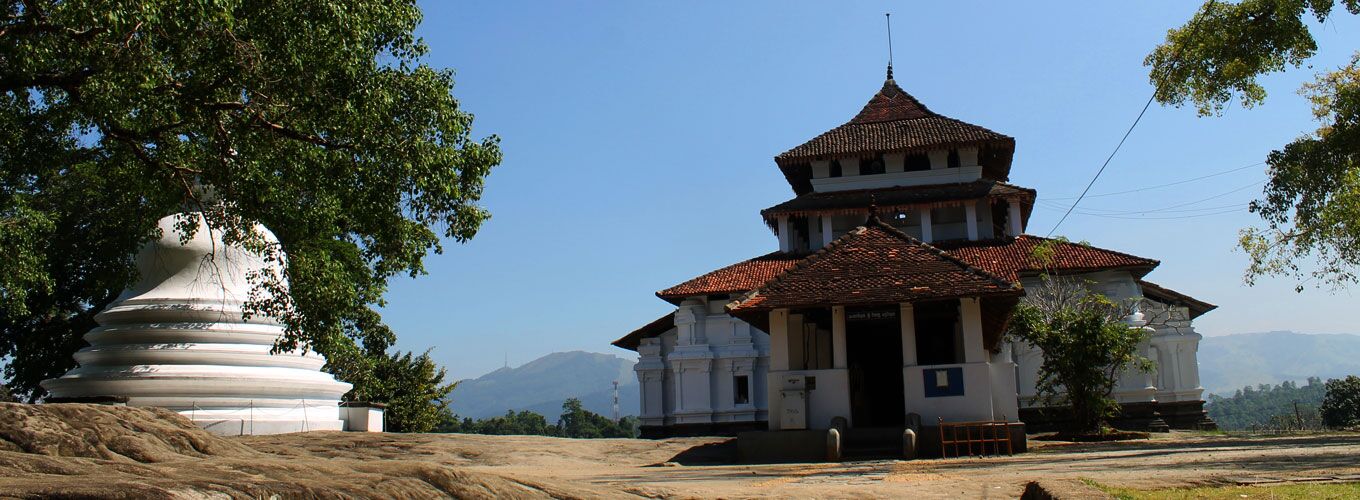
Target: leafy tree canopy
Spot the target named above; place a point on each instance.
(1311, 207)
(1287, 406)
(319, 120)
(411, 386)
(575, 422)
(1341, 405)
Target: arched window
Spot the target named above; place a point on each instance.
(835, 168)
(917, 162)
(953, 158)
(873, 166)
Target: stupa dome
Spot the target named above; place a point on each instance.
(180, 339)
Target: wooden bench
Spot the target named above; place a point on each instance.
(967, 435)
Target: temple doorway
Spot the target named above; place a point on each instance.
(873, 339)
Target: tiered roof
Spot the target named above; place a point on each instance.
(872, 265)
(1168, 296)
(893, 121)
(657, 327)
(894, 198)
(736, 278)
(1012, 257)
(1006, 259)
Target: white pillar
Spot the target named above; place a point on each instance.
(970, 314)
(814, 231)
(968, 157)
(894, 162)
(779, 362)
(821, 169)
(785, 239)
(1013, 219)
(838, 338)
(779, 342)
(938, 159)
(849, 167)
(926, 235)
(826, 230)
(970, 215)
(689, 322)
(907, 313)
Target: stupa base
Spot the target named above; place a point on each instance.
(247, 427)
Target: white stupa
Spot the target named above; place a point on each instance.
(178, 339)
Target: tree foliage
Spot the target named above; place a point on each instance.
(1286, 406)
(1341, 405)
(1311, 206)
(1086, 343)
(575, 422)
(411, 386)
(317, 119)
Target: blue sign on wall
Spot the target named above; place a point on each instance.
(942, 382)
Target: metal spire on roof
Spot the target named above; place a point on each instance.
(888, 16)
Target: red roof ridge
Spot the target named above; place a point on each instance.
(872, 222)
(891, 103)
(1154, 262)
(696, 284)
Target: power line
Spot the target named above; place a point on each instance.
(1169, 184)
(1190, 36)
(1169, 208)
(1173, 217)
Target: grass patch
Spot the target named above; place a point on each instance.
(1300, 491)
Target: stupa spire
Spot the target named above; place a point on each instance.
(888, 16)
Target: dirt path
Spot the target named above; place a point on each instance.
(1168, 461)
(117, 452)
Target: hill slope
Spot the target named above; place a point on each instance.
(1229, 362)
(543, 384)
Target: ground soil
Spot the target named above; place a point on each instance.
(111, 452)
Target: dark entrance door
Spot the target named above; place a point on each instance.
(873, 348)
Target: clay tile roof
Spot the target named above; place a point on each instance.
(855, 201)
(736, 278)
(893, 121)
(654, 329)
(872, 264)
(1010, 258)
(1168, 296)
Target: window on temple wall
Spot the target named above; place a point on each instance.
(872, 166)
(815, 341)
(953, 158)
(939, 336)
(741, 390)
(917, 162)
(835, 168)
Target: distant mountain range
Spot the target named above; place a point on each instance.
(543, 384)
(1229, 362)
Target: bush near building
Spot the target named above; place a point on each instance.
(1341, 405)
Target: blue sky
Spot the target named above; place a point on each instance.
(639, 138)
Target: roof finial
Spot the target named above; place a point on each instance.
(873, 208)
(888, 16)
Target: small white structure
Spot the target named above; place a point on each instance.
(179, 339)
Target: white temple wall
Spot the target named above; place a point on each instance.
(688, 374)
(1172, 347)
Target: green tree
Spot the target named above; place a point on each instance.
(1086, 344)
(1341, 405)
(319, 120)
(1266, 407)
(577, 422)
(411, 386)
(1311, 206)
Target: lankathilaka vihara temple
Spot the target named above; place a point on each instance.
(901, 258)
